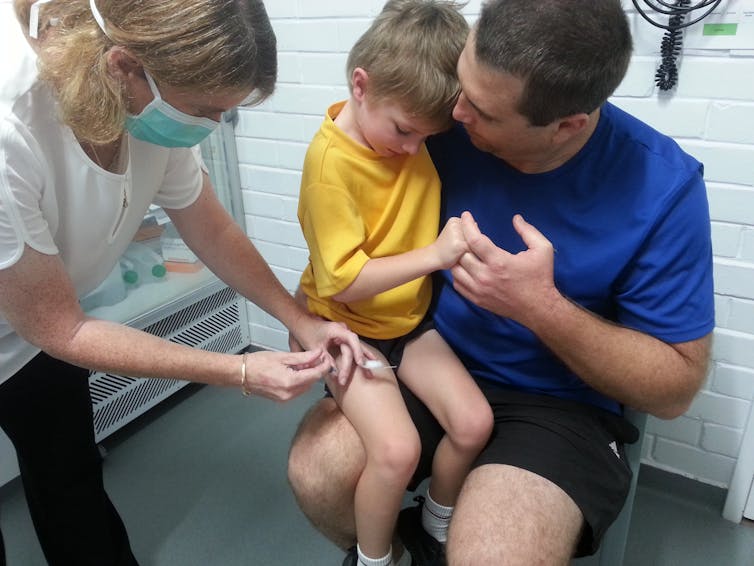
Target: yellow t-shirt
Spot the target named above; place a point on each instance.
(356, 205)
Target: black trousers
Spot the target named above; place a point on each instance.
(46, 411)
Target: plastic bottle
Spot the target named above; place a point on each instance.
(146, 262)
(112, 290)
(128, 273)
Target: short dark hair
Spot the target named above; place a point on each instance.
(571, 54)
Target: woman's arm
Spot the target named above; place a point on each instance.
(39, 302)
(219, 242)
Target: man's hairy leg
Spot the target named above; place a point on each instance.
(324, 465)
(511, 517)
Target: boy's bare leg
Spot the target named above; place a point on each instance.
(512, 517)
(325, 462)
(374, 405)
(437, 377)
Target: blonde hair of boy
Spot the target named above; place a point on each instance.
(410, 54)
(202, 45)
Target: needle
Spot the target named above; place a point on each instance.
(375, 364)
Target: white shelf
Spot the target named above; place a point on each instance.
(148, 302)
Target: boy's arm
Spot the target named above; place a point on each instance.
(384, 273)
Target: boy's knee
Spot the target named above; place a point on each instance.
(484, 422)
(474, 428)
(396, 457)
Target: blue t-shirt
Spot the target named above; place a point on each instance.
(629, 218)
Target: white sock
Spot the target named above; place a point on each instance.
(386, 560)
(436, 518)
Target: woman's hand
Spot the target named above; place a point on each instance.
(281, 376)
(334, 339)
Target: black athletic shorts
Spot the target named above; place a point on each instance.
(578, 447)
(393, 348)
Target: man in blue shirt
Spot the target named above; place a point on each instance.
(587, 287)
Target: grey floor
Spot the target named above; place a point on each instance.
(200, 480)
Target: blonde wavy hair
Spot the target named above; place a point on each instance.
(205, 45)
(410, 54)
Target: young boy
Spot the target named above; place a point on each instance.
(369, 210)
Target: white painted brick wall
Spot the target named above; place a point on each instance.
(711, 114)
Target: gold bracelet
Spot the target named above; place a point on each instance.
(245, 391)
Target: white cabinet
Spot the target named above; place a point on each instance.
(195, 309)
(740, 500)
(749, 509)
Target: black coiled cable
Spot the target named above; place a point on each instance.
(666, 76)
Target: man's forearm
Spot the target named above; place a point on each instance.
(631, 367)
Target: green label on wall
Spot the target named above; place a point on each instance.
(719, 29)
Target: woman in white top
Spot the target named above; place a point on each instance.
(101, 105)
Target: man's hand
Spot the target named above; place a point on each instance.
(515, 286)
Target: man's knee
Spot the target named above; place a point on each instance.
(303, 451)
(503, 509)
(325, 451)
(325, 462)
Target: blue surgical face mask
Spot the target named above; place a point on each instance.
(162, 124)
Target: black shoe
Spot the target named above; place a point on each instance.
(352, 557)
(425, 549)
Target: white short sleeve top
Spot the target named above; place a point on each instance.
(54, 199)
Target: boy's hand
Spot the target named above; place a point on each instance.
(451, 244)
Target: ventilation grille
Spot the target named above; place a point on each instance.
(217, 309)
(213, 323)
